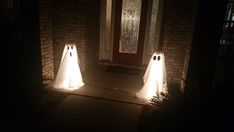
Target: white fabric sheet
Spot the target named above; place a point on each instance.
(69, 74)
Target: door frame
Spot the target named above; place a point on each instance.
(107, 23)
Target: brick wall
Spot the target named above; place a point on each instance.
(68, 21)
(176, 37)
(75, 21)
(47, 58)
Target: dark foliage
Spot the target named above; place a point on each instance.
(163, 115)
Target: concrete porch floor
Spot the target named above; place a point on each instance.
(77, 113)
(107, 102)
(109, 85)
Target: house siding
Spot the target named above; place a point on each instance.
(47, 58)
(176, 37)
(77, 21)
(68, 21)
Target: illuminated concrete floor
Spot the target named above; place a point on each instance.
(109, 85)
(107, 102)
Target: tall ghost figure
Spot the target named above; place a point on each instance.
(154, 78)
(69, 75)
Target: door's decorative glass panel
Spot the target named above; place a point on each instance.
(130, 24)
(152, 31)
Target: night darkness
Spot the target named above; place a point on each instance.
(204, 109)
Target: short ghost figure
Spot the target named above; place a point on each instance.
(154, 78)
(69, 74)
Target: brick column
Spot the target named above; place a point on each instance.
(176, 37)
(47, 57)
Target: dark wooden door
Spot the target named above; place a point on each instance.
(130, 20)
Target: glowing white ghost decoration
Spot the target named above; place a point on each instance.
(69, 75)
(154, 78)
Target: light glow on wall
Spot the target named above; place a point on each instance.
(69, 74)
(154, 78)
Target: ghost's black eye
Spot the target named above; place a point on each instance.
(68, 47)
(155, 57)
(159, 58)
(71, 47)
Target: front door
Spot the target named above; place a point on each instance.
(130, 20)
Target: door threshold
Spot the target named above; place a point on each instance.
(109, 63)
